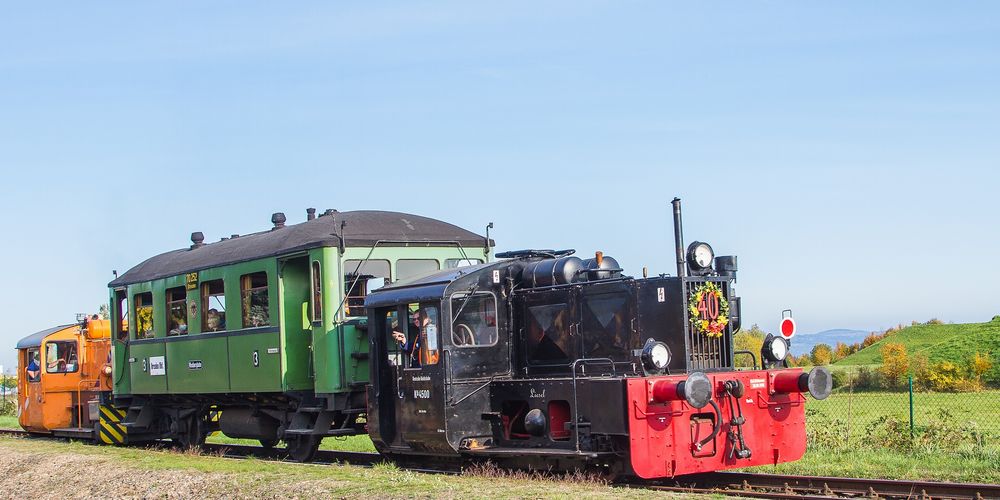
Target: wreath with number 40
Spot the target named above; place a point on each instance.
(708, 310)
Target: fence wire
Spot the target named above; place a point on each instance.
(854, 417)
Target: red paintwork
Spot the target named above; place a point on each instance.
(660, 434)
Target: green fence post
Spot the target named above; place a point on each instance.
(911, 406)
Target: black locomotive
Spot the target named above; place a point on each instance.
(547, 360)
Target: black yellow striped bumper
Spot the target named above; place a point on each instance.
(111, 429)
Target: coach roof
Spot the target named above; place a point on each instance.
(361, 228)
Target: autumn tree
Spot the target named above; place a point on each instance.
(821, 354)
(748, 340)
(895, 363)
(841, 351)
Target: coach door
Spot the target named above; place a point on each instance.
(32, 406)
(420, 381)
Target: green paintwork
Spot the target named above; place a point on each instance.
(324, 356)
(266, 375)
(198, 365)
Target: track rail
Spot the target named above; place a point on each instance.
(742, 484)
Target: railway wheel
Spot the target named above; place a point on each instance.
(192, 433)
(302, 448)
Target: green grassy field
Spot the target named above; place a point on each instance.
(954, 343)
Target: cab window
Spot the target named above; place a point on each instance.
(422, 343)
(475, 320)
(61, 357)
(143, 315)
(213, 305)
(177, 311)
(256, 310)
(412, 268)
(361, 277)
(34, 367)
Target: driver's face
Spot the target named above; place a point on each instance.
(416, 318)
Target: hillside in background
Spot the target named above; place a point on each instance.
(804, 342)
(956, 343)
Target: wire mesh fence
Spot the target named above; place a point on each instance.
(905, 418)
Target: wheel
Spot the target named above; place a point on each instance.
(192, 433)
(302, 448)
(268, 444)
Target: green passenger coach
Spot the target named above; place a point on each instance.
(267, 328)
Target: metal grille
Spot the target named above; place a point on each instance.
(706, 353)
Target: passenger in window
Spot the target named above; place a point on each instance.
(216, 320)
(412, 346)
(34, 368)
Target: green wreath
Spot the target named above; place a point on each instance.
(699, 312)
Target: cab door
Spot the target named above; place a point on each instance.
(420, 418)
(31, 408)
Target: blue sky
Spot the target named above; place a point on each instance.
(847, 152)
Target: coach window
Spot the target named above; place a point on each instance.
(253, 290)
(475, 320)
(411, 268)
(143, 315)
(213, 306)
(453, 263)
(317, 292)
(122, 315)
(605, 326)
(61, 357)
(361, 277)
(177, 320)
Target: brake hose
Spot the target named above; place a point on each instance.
(715, 428)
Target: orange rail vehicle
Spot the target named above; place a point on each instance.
(64, 381)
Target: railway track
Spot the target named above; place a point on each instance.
(740, 484)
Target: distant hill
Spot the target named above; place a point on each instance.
(803, 343)
(939, 343)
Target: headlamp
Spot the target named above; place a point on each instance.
(655, 356)
(700, 255)
(775, 349)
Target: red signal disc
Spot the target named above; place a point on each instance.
(787, 328)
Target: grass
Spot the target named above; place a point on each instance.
(9, 422)
(54, 466)
(956, 343)
(360, 443)
(883, 464)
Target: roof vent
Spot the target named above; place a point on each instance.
(310, 213)
(197, 240)
(278, 219)
(234, 236)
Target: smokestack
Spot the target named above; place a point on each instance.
(310, 213)
(679, 239)
(197, 240)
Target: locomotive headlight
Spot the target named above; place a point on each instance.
(700, 255)
(655, 356)
(775, 349)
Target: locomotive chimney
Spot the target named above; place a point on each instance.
(278, 219)
(310, 213)
(197, 240)
(679, 239)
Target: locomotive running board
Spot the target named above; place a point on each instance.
(546, 452)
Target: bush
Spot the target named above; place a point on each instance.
(831, 435)
(868, 379)
(948, 377)
(934, 321)
(8, 408)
